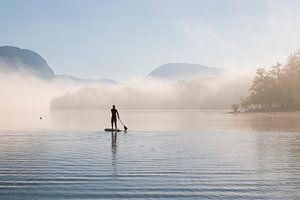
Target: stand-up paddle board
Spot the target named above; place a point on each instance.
(112, 130)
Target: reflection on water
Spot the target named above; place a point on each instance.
(178, 120)
(149, 165)
(154, 121)
(114, 153)
(165, 155)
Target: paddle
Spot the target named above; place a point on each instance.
(125, 128)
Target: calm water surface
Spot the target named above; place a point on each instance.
(164, 155)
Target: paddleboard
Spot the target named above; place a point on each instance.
(112, 130)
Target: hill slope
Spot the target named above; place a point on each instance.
(183, 71)
(69, 78)
(15, 59)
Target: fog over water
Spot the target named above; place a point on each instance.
(165, 154)
(175, 71)
(25, 98)
(202, 93)
(23, 92)
(143, 104)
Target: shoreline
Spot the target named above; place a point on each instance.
(266, 112)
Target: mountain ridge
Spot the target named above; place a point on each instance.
(66, 77)
(183, 71)
(16, 59)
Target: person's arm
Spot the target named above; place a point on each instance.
(118, 114)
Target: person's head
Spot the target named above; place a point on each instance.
(114, 106)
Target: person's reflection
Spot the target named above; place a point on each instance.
(114, 153)
(114, 142)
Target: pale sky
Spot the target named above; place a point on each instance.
(129, 38)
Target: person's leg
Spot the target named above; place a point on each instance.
(116, 123)
(112, 122)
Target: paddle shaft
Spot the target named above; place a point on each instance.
(123, 124)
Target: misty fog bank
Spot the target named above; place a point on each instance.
(202, 93)
(21, 91)
(24, 92)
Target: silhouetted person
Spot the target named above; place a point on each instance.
(114, 114)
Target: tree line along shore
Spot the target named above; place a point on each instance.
(275, 89)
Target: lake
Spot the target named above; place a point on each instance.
(163, 155)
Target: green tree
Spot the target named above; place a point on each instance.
(235, 107)
(245, 103)
(278, 86)
(292, 80)
(261, 89)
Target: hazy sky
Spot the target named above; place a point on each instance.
(129, 38)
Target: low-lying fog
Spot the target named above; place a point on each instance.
(22, 92)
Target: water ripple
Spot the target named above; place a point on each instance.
(149, 165)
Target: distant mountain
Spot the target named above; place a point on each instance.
(68, 78)
(184, 71)
(14, 59)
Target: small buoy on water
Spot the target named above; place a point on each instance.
(41, 118)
